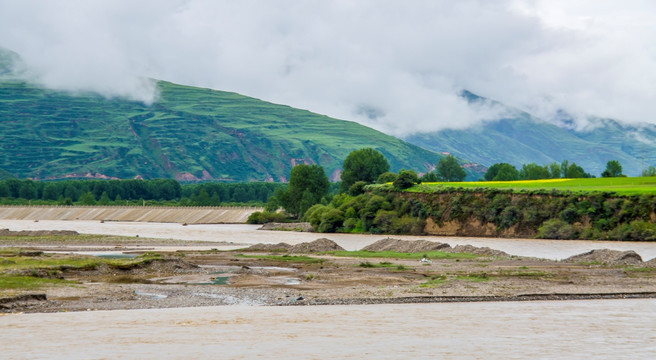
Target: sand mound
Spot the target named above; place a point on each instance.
(483, 251)
(319, 245)
(407, 246)
(651, 263)
(7, 232)
(279, 247)
(610, 257)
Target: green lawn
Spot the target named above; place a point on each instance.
(620, 185)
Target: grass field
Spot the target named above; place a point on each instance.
(620, 185)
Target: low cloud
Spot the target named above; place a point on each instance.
(398, 67)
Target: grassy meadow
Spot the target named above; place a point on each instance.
(618, 185)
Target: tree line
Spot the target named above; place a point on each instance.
(533, 171)
(131, 192)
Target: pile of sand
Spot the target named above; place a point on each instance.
(279, 247)
(316, 246)
(406, 246)
(609, 257)
(483, 251)
(319, 245)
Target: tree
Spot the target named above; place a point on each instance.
(386, 177)
(573, 171)
(87, 198)
(554, 170)
(406, 179)
(613, 169)
(27, 190)
(533, 171)
(307, 185)
(650, 171)
(449, 170)
(363, 165)
(430, 176)
(501, 172)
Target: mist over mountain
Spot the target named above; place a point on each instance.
(519, 138)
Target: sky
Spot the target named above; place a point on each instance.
(397, 66)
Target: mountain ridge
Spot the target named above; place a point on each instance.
(520, 138)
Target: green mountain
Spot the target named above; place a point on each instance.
(188, 134)
(522, 138)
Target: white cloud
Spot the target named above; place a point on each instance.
(395, 66)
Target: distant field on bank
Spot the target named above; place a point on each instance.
(620, 185)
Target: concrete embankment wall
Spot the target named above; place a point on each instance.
(182, 215)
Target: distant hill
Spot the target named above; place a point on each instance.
(188, 134)
(523, 138)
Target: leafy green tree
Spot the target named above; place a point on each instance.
(501, 172)
(430, 176)
(386, 177)
(449, 170)
(573, 171)
(363, 165)
(51, 192)
(201, 199)
(4, 190)
(104, 199)
(613, 169)
(87, 198)
(650, 171)
(357, 188)
(533, 171)
(406, 179)
(27, 190)
(555, 171)
(307, 185)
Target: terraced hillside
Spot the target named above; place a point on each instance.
(188, 134)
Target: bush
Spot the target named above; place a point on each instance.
(331, 220)
(557, 229)
(406, 179)
(260, 217)
(313, 215)
(357, 188)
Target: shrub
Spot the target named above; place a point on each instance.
(260, 217)
(406, 179)
(331, 220)
(557, 229)
(313, 215)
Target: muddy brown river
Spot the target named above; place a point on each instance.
(598, 329)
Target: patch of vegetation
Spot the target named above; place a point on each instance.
(617, 185)
(383, 264)
(14, 282)
(644, 270)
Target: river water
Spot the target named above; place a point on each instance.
(248, 234)
(598, 329)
